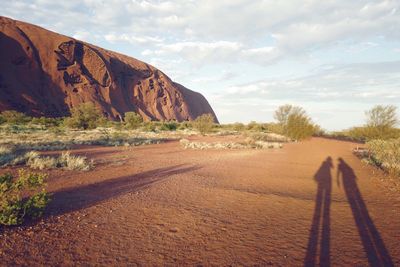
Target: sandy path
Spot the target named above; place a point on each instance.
(162, 205)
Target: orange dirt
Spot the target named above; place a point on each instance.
(163, 205)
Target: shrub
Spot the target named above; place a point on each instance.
(77, 163)
(14, 117)
(48, 122)
(204, 123)
(385, 154)
(41, 163)
(84, 116)
(169, 126)
(132, 120)
(299, 127)
(185, 125)
(13, 207)
(294, 122)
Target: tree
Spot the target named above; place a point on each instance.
(283, 112)
(382, 116)
(132, 120)
(381, 122)
(204, 123)
(85, 116)
(299, 127)
(294, 122)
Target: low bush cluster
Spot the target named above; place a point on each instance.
(248, 144)
(385, 154)
(32, 159)
(14, 207)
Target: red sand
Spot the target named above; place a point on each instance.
(163, 205)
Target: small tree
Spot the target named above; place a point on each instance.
(299, 127)
(382, 116)
(85, 116)
(294, 122)
(14, 208)
(204, 123)
(381, 122)
(283, 112)
(132, 120)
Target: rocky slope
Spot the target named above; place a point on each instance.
(45, 73)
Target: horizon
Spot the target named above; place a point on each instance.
(336, 60)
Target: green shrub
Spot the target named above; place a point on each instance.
(299, 127)
(169, 126)
(385, 154)
(132, 120)
(204, 123)
(84, 116)
(14, 117)
(14, 208)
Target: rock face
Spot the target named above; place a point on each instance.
(43, 73)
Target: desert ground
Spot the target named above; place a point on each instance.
(308, 203)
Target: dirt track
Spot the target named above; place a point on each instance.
(163, 205)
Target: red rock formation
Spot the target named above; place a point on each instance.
(45, 73)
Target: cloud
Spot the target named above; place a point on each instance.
(140, 40)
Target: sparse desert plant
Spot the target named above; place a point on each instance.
(132, 120)
(85, 116)
(77, 163)
(204, 123)
(41, 163)
(248, 144)
(14, 208)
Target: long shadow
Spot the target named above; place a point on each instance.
(321, 218)
(374, 246)
(77, 198)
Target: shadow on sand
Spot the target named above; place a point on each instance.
(373, 244)
(321, 217)
(319, 237)
(77, 198)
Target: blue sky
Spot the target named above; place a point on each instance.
(334, 58)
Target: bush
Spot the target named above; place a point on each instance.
(14, 117)
(132, 120)
(77, 163)
(13, 207)
(48, 122)
(84, 116)
(385, 154)
(299, 127)
(294, 122)
(204, 123)
(169, 126)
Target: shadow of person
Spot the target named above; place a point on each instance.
(321, 217)
(374, 247)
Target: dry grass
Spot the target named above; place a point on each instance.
(248, 144)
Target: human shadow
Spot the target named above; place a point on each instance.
(321, 218)
(374, 246)
(77, 198)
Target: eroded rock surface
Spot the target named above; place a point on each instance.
(45, 73)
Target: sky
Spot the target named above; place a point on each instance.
(336, 59)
